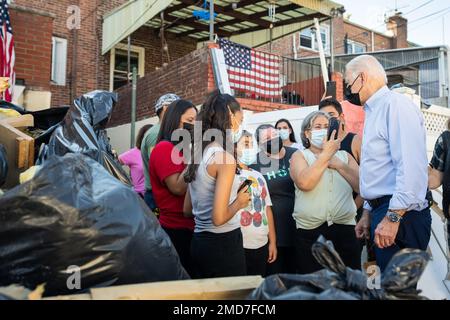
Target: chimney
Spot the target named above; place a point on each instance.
(397, 27)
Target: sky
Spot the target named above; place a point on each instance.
(428, 20)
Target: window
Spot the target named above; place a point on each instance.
(308, 38)
(59, 60)
(119, 64)
(355, 47)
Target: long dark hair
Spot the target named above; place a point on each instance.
(214, 114)
(141, 134)
(172, 118)
(292, 135)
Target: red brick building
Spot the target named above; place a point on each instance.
(348, 37)
(54, 58)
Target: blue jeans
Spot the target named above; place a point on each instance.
(414, 232)
(149, 200)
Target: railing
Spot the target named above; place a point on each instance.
(300, 83)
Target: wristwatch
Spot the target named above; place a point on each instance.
(393, 217)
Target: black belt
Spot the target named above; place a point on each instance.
(375, 203)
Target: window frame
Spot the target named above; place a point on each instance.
(323, 27)
(135, 49)
(353, 43)
(54, 77)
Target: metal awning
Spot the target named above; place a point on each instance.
(243, 21)
(124, 20)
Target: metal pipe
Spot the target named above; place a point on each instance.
(331, 45)
(133, 107)
(211, 20)
(373, 41)
(442, 82)
(128, 59)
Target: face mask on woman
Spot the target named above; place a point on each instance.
(284, 134)
(317, 137)
(248, 156)
(236, 135)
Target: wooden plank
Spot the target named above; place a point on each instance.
(26, 120)
(20, 152)
(86, 296)
(203, 289)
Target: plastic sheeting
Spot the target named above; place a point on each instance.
(83, 131)
(74, 213)
(338, 282)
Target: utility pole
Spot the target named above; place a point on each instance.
(129, 60)
(133, 107)
(211, 20)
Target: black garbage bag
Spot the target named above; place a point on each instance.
(45, 122)
(83, 131)
(74, 213)
(3, 165)
(336, 281)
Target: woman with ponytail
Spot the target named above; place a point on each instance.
(213, 198)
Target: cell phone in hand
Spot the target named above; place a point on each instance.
(331, 89)
(246, 183)
(333, 125)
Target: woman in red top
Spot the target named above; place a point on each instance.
(166, 168)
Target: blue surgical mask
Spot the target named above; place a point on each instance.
(284, 134)
(248, 156)
(317, 137)
(237, 135)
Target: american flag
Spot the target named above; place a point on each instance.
(254, 72)
(7, 55)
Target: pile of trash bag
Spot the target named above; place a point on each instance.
(83, 131)
(45, 122)
(338, 282)
(3, 165)
(74, 214)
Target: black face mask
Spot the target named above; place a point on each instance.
(189, 127)
(273, 146)
(352, 97)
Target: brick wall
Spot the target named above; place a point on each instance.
(399, 26)
(282, 47)
(364, 36)
(338, 78)
(92, 70)
(263, 106)
(33, 47)
(187, 76)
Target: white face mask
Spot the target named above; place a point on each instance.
(248, 156)
(284, 134)
(237, 135)
(317, 137)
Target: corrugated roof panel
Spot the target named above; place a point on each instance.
(256, 8)
(230, 28)
(295, 13)
(245, 11)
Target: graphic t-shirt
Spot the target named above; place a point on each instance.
(253, 219)
(276, 172)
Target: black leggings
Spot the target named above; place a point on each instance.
(181, 240)
(218, 254)
(344, 241)
(256, 260)
(285, 262)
